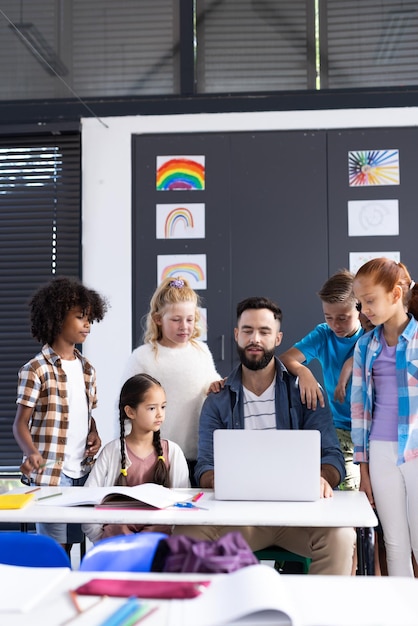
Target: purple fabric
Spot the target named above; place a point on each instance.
(228, 554)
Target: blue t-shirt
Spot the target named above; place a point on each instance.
(332, 352)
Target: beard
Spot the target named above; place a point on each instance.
(255, 364)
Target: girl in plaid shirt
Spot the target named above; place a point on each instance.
(384, 404)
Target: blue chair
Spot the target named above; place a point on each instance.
(31, 550)
(123, 553)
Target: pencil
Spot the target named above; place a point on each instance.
(47, 464)
(74, 600)
(74, 617)
(51, 495)
(32, 490)
(123, 613)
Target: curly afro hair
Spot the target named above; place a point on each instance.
(51, 303)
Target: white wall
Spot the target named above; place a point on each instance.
(106, 214)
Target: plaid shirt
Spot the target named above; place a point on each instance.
(362, 393)
(42, 385)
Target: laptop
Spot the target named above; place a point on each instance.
(269, 465)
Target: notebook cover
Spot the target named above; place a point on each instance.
(15, 500)
(157, 589)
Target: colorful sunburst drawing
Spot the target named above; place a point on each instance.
(373, 167)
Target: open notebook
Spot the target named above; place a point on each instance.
(145, 496)
(275, 465)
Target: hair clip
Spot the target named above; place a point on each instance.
(178, 283)
(411, 284)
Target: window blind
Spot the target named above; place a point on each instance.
(103, 49)
(370, 43)
(247, 45)
(40, 238)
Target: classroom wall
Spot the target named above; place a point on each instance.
(106, 214)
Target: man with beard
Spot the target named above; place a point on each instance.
(256, 396)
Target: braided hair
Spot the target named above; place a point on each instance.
(132, 394)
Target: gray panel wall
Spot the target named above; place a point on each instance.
(266, 226)
(276, 220)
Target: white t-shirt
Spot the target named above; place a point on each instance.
(77, 418)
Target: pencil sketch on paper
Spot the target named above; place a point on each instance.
(357, 259)
(371, 218)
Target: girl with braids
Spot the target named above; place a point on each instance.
(173, 354)
(384, 405)
(140, 455)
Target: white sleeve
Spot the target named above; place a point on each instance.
(102, 475)
(179, 470)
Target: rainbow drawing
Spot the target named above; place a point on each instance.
(190, 266)
(373, 167)
(193, 270)
(179, 216)
(186, 173)
(180, 221)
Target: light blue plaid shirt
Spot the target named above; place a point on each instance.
(367, 350)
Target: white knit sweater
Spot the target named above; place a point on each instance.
(185, 373)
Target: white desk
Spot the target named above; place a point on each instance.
(345, 508)
(327, 600)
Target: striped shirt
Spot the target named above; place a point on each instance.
(363, 392)
(260, 411)
(42, 386)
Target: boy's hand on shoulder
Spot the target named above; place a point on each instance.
(310, 391)
(217, 386)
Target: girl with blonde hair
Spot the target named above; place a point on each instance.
(173, 353)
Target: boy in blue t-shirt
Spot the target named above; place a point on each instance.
(332, 344)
